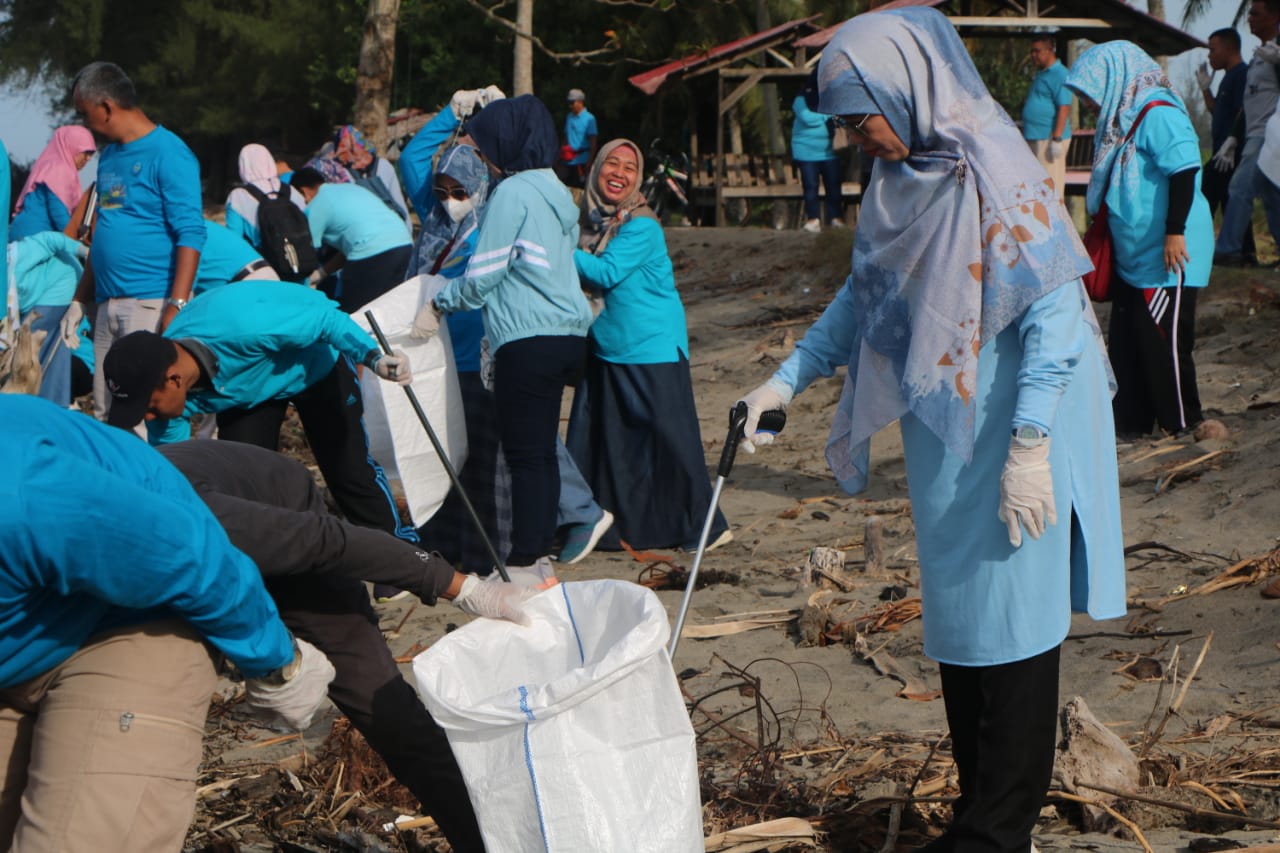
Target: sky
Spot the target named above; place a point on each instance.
(26, 126)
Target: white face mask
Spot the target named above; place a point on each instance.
(458, 210)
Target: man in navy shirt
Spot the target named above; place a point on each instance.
(1225, 107)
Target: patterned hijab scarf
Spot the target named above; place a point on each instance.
(56, 166)
(953, 244)
(599, 219)
(1120, 78)
(439, 232)
(351, 149)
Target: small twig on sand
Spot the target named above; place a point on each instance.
(1243, 819)
(895, 824)
(1130, 825)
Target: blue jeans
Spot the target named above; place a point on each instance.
(829, 171)
(577, 505)
(1247, 184)
(56, 385)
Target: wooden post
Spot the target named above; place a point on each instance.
(873, 546)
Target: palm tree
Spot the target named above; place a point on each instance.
(1196, 9)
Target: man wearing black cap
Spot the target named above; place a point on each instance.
(245, 352)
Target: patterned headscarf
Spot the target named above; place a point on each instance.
(599, 219)
(953, 244)
(463, 164)
(351, 149)
(56, 166)
(1120, 78)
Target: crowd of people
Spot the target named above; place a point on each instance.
(963, 319)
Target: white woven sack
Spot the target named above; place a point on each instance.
(397, 439)
(571, 732)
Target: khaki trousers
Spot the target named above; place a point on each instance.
(100, 753)
(1057, 169)
(112, 320)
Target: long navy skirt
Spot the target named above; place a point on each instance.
(633, 432)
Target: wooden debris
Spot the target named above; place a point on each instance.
(778, 834)
(1246, 571)
(824, 567)
(873, 547)
(912, 687)
(737, 626)
(1091, 754)
(1163, 482)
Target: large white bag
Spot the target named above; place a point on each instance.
(397, 439)
(571, 732)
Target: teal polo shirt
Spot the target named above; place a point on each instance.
(1046, 95)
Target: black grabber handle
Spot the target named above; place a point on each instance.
(771, 421)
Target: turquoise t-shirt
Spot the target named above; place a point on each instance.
(578, 130)
(354, 221)
(1166, 144)
(810, 138)
(41, 211)
(1041, 108)
(225, 254)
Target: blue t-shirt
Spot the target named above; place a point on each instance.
(41, 211)
(225, 254)
(148, 206)
(578, 130)
(1040, 111)
(1229, 102)
(810, 137)
(1166, 144)
(354, 221)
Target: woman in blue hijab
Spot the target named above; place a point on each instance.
(1146, 170)
(964, 319)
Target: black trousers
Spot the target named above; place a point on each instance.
(1151, 334)
(333, 614)
(1214, 186)
(528, 384)
(331, 411)
(1004, 722)
(360, 282)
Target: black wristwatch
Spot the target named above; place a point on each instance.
(282, 675)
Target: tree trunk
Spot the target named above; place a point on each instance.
(522, 71)
(375, 71)
(772, 117)
(1155, 8)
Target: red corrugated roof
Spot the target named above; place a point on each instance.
(650, 81)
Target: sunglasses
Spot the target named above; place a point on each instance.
(455, 193)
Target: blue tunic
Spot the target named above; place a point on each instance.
(41, 211)
(985, 602)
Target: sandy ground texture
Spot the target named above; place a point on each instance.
(827, 709)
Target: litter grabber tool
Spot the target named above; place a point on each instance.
(771, 421)
(444, 457)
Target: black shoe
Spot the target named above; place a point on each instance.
(1228, 259)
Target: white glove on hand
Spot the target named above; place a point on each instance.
(1269, 52)
(291, 705)
(1057, 149)
(1026, 490)
(1224, 160)
(316, 277)
(493, 598)
(463, 103)
(766, 398)
(394, 367)
(426, 324)
(70, 328)
(489, 94)
(1204, 76)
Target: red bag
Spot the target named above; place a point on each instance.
(567, 152)
(1097, 239)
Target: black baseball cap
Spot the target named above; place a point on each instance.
(133, 369)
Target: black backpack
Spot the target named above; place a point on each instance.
(369, 179)
(284, 234)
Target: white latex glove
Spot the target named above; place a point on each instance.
(1224, 160)
(427, 322)
(1204, 76)
(1026, 489)
(316, 276)
(463, 103)
(1269, 52)
(1057, 149)
(766, 398)
(494, 598)
(70, 328)
(394, 367)
(489, 94)
(291, 705)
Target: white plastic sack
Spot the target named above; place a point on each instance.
(571, 733)
(397, 439)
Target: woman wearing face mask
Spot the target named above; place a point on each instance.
(634, 428)
(52, 191)
(522, 275)
(964, 320)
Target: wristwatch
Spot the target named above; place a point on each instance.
(1029, 433)
(176, 303)
(281, 675)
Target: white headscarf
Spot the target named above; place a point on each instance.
(257, 167)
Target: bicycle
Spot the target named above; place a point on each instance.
(667, 183)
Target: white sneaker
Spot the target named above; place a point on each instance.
(836, 223)
(538, 574)
(813, 226)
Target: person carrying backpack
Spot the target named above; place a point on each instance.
(368, 170)
(268, 214)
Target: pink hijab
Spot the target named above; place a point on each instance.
(56, 166)
(258, 167)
